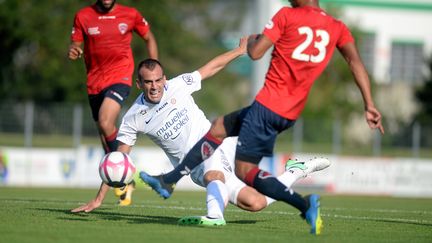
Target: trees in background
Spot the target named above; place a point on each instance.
(424, 96)
(35, 34)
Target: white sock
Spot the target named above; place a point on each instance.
(217, 198)
(288, 178)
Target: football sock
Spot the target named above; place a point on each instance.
(201, 151)
(268, 185)
(111, 142)
(217, 198)
(288, 178)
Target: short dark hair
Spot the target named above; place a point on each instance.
(149, 64)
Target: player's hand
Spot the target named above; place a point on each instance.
(90, 206)
(243, 44)
(373, 118)
(75, 52)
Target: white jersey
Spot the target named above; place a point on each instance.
(175, 123)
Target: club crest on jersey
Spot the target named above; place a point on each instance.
(206, 150)
(123, 28)
(143, 112)
(264, 174)
(188, 79)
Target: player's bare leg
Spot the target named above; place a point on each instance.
(108, 114)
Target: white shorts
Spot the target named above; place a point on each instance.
(222, 160)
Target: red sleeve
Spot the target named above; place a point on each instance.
(274, 29)
(345, 37)
(141, 25)
(77, 34)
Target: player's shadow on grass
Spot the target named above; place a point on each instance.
(242, 221)
(115, 216)
(103, 214)
(401, 221)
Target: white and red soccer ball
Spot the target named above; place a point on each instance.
(116, 169)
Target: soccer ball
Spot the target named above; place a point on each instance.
(116, 169)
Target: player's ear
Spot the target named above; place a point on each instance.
(138, 83)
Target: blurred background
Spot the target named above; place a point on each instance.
(43, 103)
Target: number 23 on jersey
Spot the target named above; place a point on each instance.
(312, 39)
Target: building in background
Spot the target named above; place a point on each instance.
(397, 39)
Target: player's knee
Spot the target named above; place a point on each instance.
(254, 202)
(105, 125)
(258, 205)
(213, 175)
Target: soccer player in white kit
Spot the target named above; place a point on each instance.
(167, 114)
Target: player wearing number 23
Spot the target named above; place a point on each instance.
(303, 39)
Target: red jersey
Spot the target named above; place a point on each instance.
(107, 38)
(304, 41)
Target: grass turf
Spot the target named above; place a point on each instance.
(43, 215)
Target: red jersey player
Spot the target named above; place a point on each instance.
(106, 30)
(304, 38)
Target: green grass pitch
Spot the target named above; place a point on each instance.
(43, 215)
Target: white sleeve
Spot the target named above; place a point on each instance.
(127, 133)
(189, 81)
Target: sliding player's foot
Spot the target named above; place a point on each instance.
(157, 184)
(308, 167)
(201, 220)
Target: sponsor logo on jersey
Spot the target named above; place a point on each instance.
(123, 27)
(107, 17)
(188, 79)
(225, 163)
(161, 107)
(269, 25)
(93, 31)
(206, 150)
(144, 21)
(148, 121)
(172, 126)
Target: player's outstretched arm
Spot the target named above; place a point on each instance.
(352, 57)
(96, 202)
(75, 50)
(152, 48)
(219, 62)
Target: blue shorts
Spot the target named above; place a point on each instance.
(257, 128)
(117, 92)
